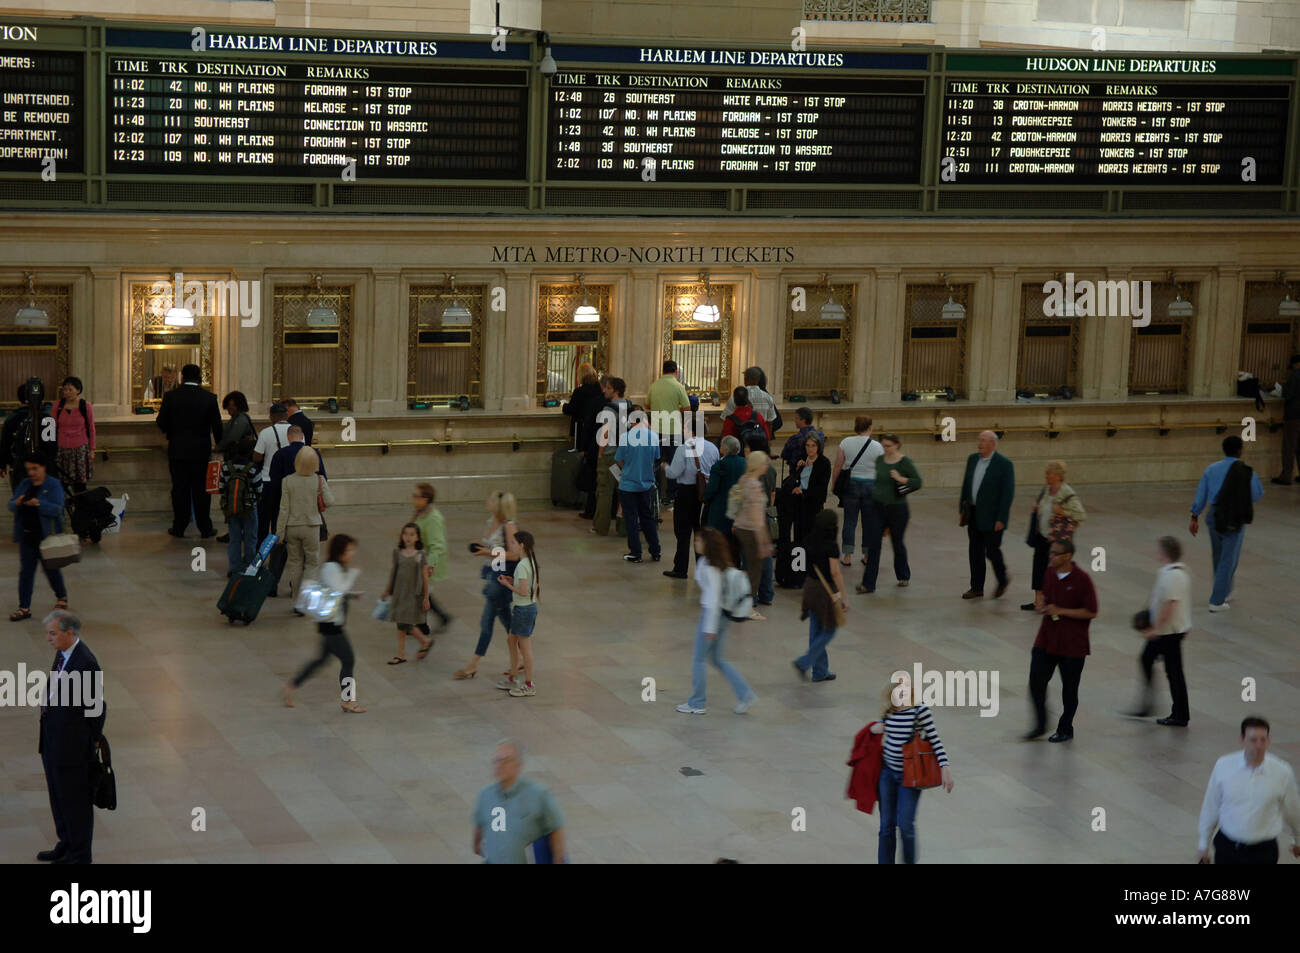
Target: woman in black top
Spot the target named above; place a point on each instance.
(37, 506)
(822, 547)
(812, 481)
(582, 408)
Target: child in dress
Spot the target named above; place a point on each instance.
(409, 588)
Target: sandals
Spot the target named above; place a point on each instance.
(466, 673)
(397, 660)
(424, 650)
(19, 614)
(288, 695)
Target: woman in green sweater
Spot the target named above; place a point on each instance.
(433, 536)
(894, 473)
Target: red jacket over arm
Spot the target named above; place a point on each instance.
(866, 759)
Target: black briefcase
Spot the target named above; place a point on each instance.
(103, 783)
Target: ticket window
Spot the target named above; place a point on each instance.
(934, 343)
(32, 345)
(565, 343)
(1158, 355)
(1270, 330)
(1049, 347)
(312, 362)
(445, 357)
(168, 331)
(702, 349)
(818, 341)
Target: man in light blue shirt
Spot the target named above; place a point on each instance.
(1225, 547)
(636, 457)
(515, 812)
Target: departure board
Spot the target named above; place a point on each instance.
(211, 115)
(1139, 130)
(42, 110)
(611, 126)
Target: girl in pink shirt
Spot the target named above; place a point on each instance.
(76, 428)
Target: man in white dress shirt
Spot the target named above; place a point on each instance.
(1251, 797)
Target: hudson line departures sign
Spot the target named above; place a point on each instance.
(1117, 119)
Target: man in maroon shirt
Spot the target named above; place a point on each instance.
(1067, 602)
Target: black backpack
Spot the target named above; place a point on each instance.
(746, 427)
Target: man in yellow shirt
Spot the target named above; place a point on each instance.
(668, 400)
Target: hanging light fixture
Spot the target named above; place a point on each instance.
(30, 316)
(1288, 308)
(456, 314)
(320, 315)
(832, 310)
(585, 313)
(1178, 308)
(707, 311)
(952, 310)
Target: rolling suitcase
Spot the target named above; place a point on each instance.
(246, 592)
(565, 467)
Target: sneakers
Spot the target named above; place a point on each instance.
(904, 583)
(673, 574)
(632, 559)
(523, 690)
(1172, 722)
(507, 684)
(1060, 736)
(686, 709)
(746, 705)
(756, 616)
(973, 594)
(1221, 607)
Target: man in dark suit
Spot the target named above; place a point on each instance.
(72, 719)
(297, 418)
(985, 506)
(190, 419)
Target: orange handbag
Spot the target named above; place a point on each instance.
(920, 766)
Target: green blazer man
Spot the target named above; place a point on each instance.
(987, 490)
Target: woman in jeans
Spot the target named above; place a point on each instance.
(524, 587)
(712, 630)
(750, 525)
(898, 804)
(298, 525)
(498, 546)
(336, 574)
(893, 472)
(76, 436)
(818, 603)
(37, 506)
(1057, 513)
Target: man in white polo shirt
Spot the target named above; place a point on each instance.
(1250, 798)
(1171, 616)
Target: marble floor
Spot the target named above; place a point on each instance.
(195, 717)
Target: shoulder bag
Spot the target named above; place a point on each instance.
(842, 481)
(103, 783)
(836, 608)
(318, 601)
(59, 550)
(320, 508)
(1035, 538)
(920, 766)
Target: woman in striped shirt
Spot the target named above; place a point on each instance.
(898, 803)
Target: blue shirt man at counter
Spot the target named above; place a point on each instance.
(1225, 547)
(515, 812)
(636, 456)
